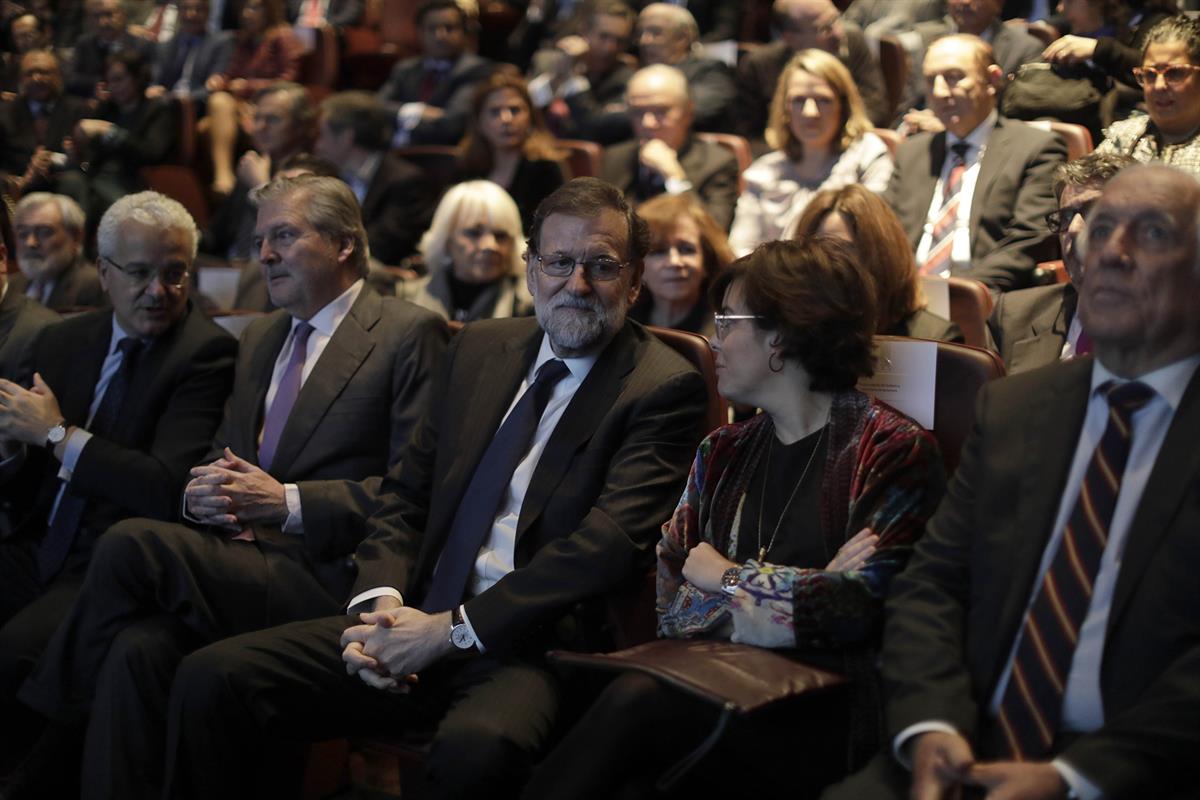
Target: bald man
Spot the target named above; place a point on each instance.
(663, 156)
(668, 34)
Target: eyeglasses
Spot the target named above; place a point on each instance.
(1058, 221)
(600, 268)
(172, 277)
(722, 322)
(1173, 74)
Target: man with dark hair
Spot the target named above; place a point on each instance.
(355, 132)
(1044, 640)
(34, 124)
(1033, 327)
(26, 32)
(122, 403)
(973, 197)
(430, 94)
(188, 58)
(803, 24)
(515, 510)
(325, 395)
(106, 34)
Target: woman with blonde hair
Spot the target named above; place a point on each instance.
(472, 253)
(687, 249)
(822, 139)
(507, 142)
(868, 225)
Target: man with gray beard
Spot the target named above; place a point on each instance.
(552, 452)
(49, 234)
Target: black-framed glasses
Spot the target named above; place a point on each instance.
(723, 322)
(172, 277)
(600, 268)
(1173, 74)
(1059, 220)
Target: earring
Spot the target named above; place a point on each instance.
(771, 362)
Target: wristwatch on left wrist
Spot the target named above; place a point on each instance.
(460, 634)
(56, 434)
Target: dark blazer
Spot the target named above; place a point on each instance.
(759, 71)
(339, 14)
(1029, 328)
(79, 285)
(610, 474)
(212, 58)
(19, 139)
(452, 95)
(21, 320)
(713, 92)
(351, 419)
(923, 324)
(533, 181)
(396, 209)
(600, 114)
(1012, 196)
(172, 408)
(954, 613)
(711, 169)
(1012, 46)
(87, 63)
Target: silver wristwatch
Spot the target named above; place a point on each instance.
(460, 634)
(56, 434)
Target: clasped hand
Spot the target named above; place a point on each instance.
(393, 645)
(27, 415)
(943, 762)
(231, 491)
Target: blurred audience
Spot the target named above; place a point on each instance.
(49, 230)
(193, 55)
(668, 34)
(105, 33)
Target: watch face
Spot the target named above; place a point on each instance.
(57, 434)
(461, 637)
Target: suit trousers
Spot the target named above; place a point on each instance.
(154, 592)
(490, 716)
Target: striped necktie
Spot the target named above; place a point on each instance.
(1032, 705)
(942, 239)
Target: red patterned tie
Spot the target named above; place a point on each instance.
(942, 239)
(1032, 705)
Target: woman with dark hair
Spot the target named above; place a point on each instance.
(788, 533)
(687, 248)
(823, 139)
(869, 227)
(265, 51)
(1109, 34)
(508, 144)
(129, 131)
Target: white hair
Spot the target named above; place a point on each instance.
(467, 200)
(73, 218)
(148, 208)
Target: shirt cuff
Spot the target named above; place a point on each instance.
(371, 594)
(1081, 787)
(72, 450)
(295, 519)
(540, 91)
(900, 743)
(467, 621)
(576, 84)
(677, 185)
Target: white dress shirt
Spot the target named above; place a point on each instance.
(1083, 705)
(960, 250)
(495, 557)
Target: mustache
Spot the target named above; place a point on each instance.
(573, 301)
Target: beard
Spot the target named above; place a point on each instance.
(578, 325)
(40, 268)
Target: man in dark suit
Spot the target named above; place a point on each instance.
(106, 34)
(430, 94)
(21, 320)
(665, 157)
(325, 395)
(34, 124)
(973, 198)
(803, 24)
(189, 57)
(494, 540)
(105, 432)
(354, 132)
(1033, 327)
(49, 232)
(668, 34)
(1051, 645)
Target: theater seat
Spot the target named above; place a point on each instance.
(696, 350)
(736, 145)
(970, 307)
(583, 158)
(180, 183)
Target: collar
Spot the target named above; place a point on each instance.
(579, 367)
(978, 138)
(367, 169)
(439, 64)
(327, 320)
(119, 334)
(1170, 381)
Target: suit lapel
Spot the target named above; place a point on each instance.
(343, 355)
(587, 408)
(75, 399)
(262, 365)
(375, 188)
(989, 169)
(1173, 476)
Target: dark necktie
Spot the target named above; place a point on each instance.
(942, 239)
(60, 533)
(477, 512)
(429, 82)
(1032, 705)
(285, 396)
